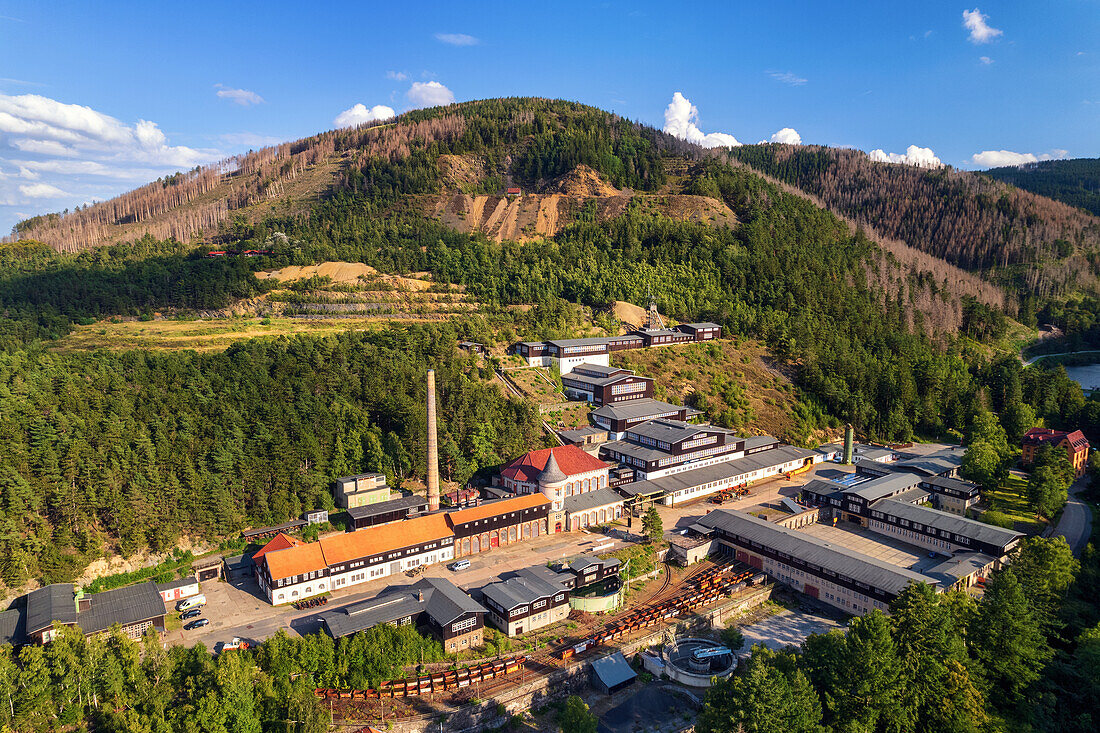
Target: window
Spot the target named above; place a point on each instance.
(463, 625)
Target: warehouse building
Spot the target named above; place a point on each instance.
(39, 616)
(617, 418)
(603, 385)
(433, 604)
(660, 447)
(361, 490)
(848, 580)
(290, 570)
(384, 512)
(527, 601)
(566, 354)
(592, 509)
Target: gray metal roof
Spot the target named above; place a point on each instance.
(385, 507)
(756, 441)
(816, 551)
(882, 486)
(591, 500)
(578, 433)
(934, 464)
(521, 590)
(13, 627)
(128, 605)
(943, 482)
(613, 670)
(582, 563)
(641, 452)
(595, 341)
(446, 601)
(439, 597)
(717, 472)
(704, 324)
(600, 381)
(633, 409)
(977, 531)
(960, 565)
(674, 431)
(53, 603)
(177, 583)
(599, 369)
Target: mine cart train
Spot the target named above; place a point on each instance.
(447, 681)
(707, 587)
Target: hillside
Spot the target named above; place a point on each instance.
(1075, 182)
(983, 226)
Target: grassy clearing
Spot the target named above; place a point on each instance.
(203, 334)
(1011, 500)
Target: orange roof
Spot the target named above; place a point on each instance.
(571, 459)
(295, 560)
(494, 508)
(278, 542)
(386, 538)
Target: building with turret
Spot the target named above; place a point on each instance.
(557, 473)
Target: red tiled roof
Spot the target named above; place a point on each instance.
(492, 509)
(1040, 436)
(296, 560)
(385, 538)
(278, 542)
(571, 459)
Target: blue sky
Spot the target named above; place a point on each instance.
(1022, 80)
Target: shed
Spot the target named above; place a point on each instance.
(180, 588)
(612, 673)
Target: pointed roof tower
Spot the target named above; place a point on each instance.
(552, 473)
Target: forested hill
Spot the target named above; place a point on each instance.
(1075, 182)
(1012, 236)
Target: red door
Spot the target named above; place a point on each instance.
(811, 590)
(493, 541)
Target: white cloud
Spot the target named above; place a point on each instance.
(980, 31)
(456, 39)
(397, 75)
(359, 114)
(914, 155)
(680, 118)
(788, 78)
(787, 136)
(985, 60)
(65, 148)
(243, 97)
(999, 158)
(429, 94)
(41, 191)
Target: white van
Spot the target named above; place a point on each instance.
(193, 602)
(459, 565)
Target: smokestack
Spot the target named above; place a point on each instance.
(433, 447)
(849, 439)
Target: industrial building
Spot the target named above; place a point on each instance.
(848, 580)
(567, 354)
(593, 508)
(531, 599)
(434, 604)
(617, 418)
(557, 473)
(288, 570)
(38, 617)
(361, 490)
(697, 483)
(603, 385)
(659, 447)
(394, 510)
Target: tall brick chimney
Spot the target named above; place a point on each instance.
(433, 447)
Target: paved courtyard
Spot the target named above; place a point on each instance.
(881, 547)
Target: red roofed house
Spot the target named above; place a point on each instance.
(1075, 443)
(556, 473)
(514, 192)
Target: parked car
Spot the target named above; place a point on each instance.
(193, 602)
(197, 624)
(190, 613)
(459, 565)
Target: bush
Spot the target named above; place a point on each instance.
(998, 519)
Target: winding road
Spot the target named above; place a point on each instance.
(1076, 522)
